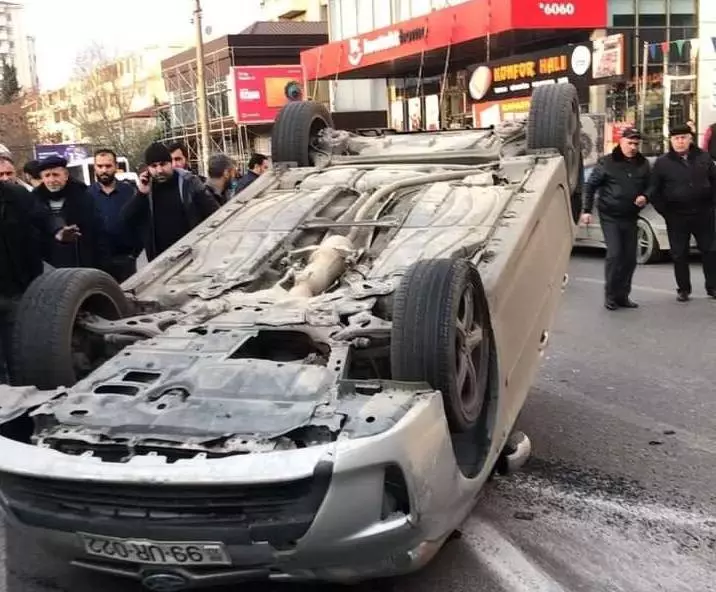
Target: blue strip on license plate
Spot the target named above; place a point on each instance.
(154, 552)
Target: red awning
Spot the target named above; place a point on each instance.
(364, 56)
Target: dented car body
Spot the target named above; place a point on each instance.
(317, 381)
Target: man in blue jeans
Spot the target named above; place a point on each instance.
(622, 179)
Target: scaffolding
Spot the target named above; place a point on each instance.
(179, 119)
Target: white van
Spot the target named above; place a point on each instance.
(83, 170)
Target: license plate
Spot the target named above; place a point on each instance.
(155, 553)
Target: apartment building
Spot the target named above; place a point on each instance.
(128, 88)
(16, 47)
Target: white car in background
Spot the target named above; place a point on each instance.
(83, 170)
(653, 240)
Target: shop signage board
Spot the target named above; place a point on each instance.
(261, 91)
(447, 27)
(598, 62)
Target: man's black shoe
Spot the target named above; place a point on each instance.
(610, 305)
(627, 303)
(683, 296)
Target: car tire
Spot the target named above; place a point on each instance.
(554, 122)
(433, 340)
(295, 132)
(43, 350)
(648, 249)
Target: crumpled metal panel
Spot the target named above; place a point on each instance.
(445, 218)
(206, 400)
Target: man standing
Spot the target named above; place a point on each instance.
(71, 205)
(8, 172)
(111, 196)
(622, 179)
(683, 191)
(258, 165)
(710, 141)
(222, 176)
(169, 202)
(179, 156)
(25, 226)
(32, 173)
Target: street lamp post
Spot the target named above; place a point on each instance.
(201, 90)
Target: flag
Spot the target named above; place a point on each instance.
(680, 46)
(665, 47)
(652, 50)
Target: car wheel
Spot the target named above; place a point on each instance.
(647, 250)
(442, 335)
(49, 349)
(554, 122)
(296, 132)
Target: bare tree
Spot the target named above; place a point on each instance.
(107, 86)
(17, 131)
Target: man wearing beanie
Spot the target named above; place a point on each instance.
(622, 179)
(683, 191)
(169, 202)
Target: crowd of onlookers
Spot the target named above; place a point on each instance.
(47, 217)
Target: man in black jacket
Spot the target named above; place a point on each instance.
(258, 165)
(622, 179)
(25, 226)
(169, 202)
(683, 191)
(71, 205)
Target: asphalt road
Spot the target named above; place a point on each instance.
(620, 495)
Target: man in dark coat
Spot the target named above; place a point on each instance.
(258, 165)
(71, 205)
(169, 202)
(622, 179)
(683, 191)
(25, 227)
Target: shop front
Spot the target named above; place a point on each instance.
(428, 61)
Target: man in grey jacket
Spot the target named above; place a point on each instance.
(169, 202)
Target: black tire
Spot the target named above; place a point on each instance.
(426, 342)
(648, 249)
(44, 324)
(554, 122)
(295, 130)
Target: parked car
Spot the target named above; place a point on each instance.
(653, 240)
(316, 382)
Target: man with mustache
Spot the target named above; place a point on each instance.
(111, 196)
(73, 210)
(169, 202)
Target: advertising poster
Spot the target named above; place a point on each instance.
(72, 153)
(261, 91)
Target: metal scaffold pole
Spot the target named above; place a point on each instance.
(201, 90)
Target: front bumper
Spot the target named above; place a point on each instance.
(344, 536)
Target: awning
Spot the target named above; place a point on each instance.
(403, 46)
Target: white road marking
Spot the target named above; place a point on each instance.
(514, 570)
(600, 282)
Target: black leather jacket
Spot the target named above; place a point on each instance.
(620, 181)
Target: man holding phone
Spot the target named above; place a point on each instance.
(169, 202)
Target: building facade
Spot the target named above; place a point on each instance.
(656, 60)
(16, 46)
(119, 90)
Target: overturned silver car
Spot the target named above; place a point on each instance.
(317, 381)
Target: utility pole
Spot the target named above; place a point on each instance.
(201, 90)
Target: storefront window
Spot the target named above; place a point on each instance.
(673, 22)
(420, 7)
